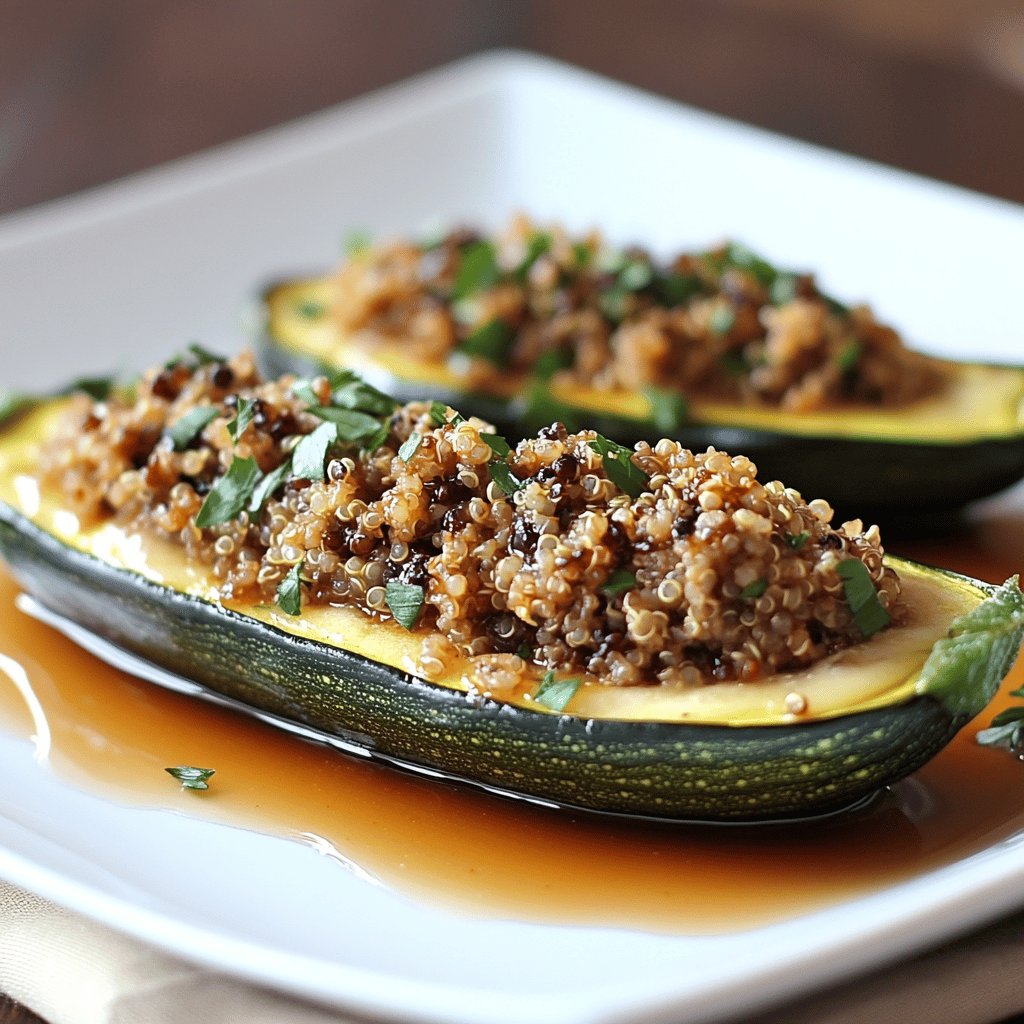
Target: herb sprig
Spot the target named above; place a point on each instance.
(862, 598)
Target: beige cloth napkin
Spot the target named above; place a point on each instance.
(70, 970)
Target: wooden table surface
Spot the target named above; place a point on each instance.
(98, 89)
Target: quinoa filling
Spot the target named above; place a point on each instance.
(719, 324)
(568, 552)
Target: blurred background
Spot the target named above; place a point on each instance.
(91, 90)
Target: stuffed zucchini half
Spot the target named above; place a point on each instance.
(717, 348)
(649, 633)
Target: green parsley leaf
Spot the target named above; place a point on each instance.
(190, 777)
(303, 389)
(550, 361)
(309, 455)
(618, 583)
(541, 408)
(861, 597)
(492, 341)
(635, 275)
(556, 693)
(503, 476)
(311, 309)
(268, 485)
(722, 320)
(289, 591)
(739, 255)
(230, 494)
(378, 438)
(439, 415)
(351, 424)
(753, 590)
(185, 430)
(668, 409)
(242, 419)
(849, 355)
(357, 243)
(478, 270)
(797, 540)
(784, 288)
(581, 253)
(405, 601)
(619, 466)
(97, 388)
(834, 305)
(350, 391)
(203, 356)
(1006, 730)
(675, 289)
(497, 444)
(539, 243)
(411, 446)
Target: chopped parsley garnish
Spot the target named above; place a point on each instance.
(269, 484)
(797, 540)
(242, 418)
(405, 601)
(849, 355)
(556, 693)
(753, 590)
(478, 270)
(97, 388)
(185, 430)
(582, 254)
(439, 415)
(722, 320)
(635, 275)
(738, 255)
(541, 408)
(410, 446)
(675, 289)
(503, 476)
(1007, 728)
(289, 591)
(350, 391)
(834, 305)
(551, 361)
(352, 425)
(492, 341)
(861, 597)
(501, 448)
(310, 453)
(203, 356)
(539, 243)
(230, 494)
(618, 583)
(190, 777)
(668, 409)
(311, 309)
(619, 466)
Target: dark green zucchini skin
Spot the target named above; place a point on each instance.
(876, 480)
(683, 772)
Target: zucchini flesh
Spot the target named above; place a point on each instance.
(712, 754)
(936, 454)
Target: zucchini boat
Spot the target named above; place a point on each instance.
(870, 714)
(926, 451)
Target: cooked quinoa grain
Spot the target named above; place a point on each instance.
(717, 324)
(707, 575)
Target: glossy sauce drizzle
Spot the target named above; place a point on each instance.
(114, 735)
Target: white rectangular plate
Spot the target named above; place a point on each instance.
(126, 274)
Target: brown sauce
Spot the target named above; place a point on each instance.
(114, 735)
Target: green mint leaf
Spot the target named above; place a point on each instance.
(797, 540)
(619, 466)
(506, 480)
(242, 418)
(478, 270)
(185, 430)
(722, 319)
(556, 693)
(501, 448)
(618, 583)
(861, 597)
(309, 455)
(352, 425)
(405, 601)
(411, 446)
(289, 591)
(190, 777)
(492, 341)
(231, 493)
(311, 309)
(668, 409)
(753, 590)
(268, 485)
